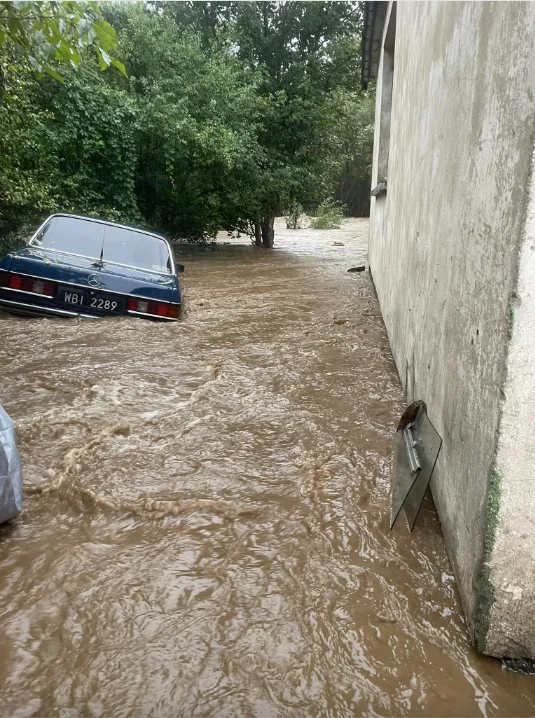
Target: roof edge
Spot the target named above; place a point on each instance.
(372, 34)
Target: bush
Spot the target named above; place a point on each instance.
(293, 218)
(329, 215)
(13, 240)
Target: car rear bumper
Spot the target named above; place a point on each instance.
(35, 310)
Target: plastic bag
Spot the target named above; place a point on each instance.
(10, 471)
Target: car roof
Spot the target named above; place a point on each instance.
(110, 224)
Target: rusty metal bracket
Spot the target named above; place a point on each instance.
(379, 189)
(416, 448)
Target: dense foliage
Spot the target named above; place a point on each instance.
(230, 114)
(50, 33)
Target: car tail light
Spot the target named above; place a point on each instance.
(48, 289)
(28, 284)
(156, 309)
(173, 311)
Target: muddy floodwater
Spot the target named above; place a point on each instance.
(205, 530)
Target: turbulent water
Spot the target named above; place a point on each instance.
(205, 529)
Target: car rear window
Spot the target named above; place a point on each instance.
(117, 244)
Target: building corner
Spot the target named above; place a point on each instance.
(505, 609)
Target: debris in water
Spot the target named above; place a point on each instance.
(386, 617)
(526, 666)
(121, 429)
(360, 268)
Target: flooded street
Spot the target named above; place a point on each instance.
(205, 530)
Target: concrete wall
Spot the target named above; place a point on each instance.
(445, 244)
(512, 561)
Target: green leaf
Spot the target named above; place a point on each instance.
(55, 75)
(119, 65)
(106, 35)
(54, 35)
(103, 59)
(74, 57)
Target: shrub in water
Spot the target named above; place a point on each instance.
(329, 215)
(293, 218)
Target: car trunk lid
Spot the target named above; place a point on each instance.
(80, 271)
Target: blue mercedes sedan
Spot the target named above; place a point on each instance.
(80, 266)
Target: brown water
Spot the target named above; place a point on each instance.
(206, 514)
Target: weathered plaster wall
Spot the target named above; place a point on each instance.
(444, 248)
(511, 569)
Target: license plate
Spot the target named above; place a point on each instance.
(87, 301)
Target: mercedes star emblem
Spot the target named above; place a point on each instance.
(94, 280)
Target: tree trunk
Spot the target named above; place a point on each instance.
(258, 234)
(268, 233)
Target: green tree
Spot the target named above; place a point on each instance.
(51, 33)
(309, 57)
(311, 53)
(173, 146)
(197, 144)
(357, 140)
(37, 38)
(230, 114)
(70, 147)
